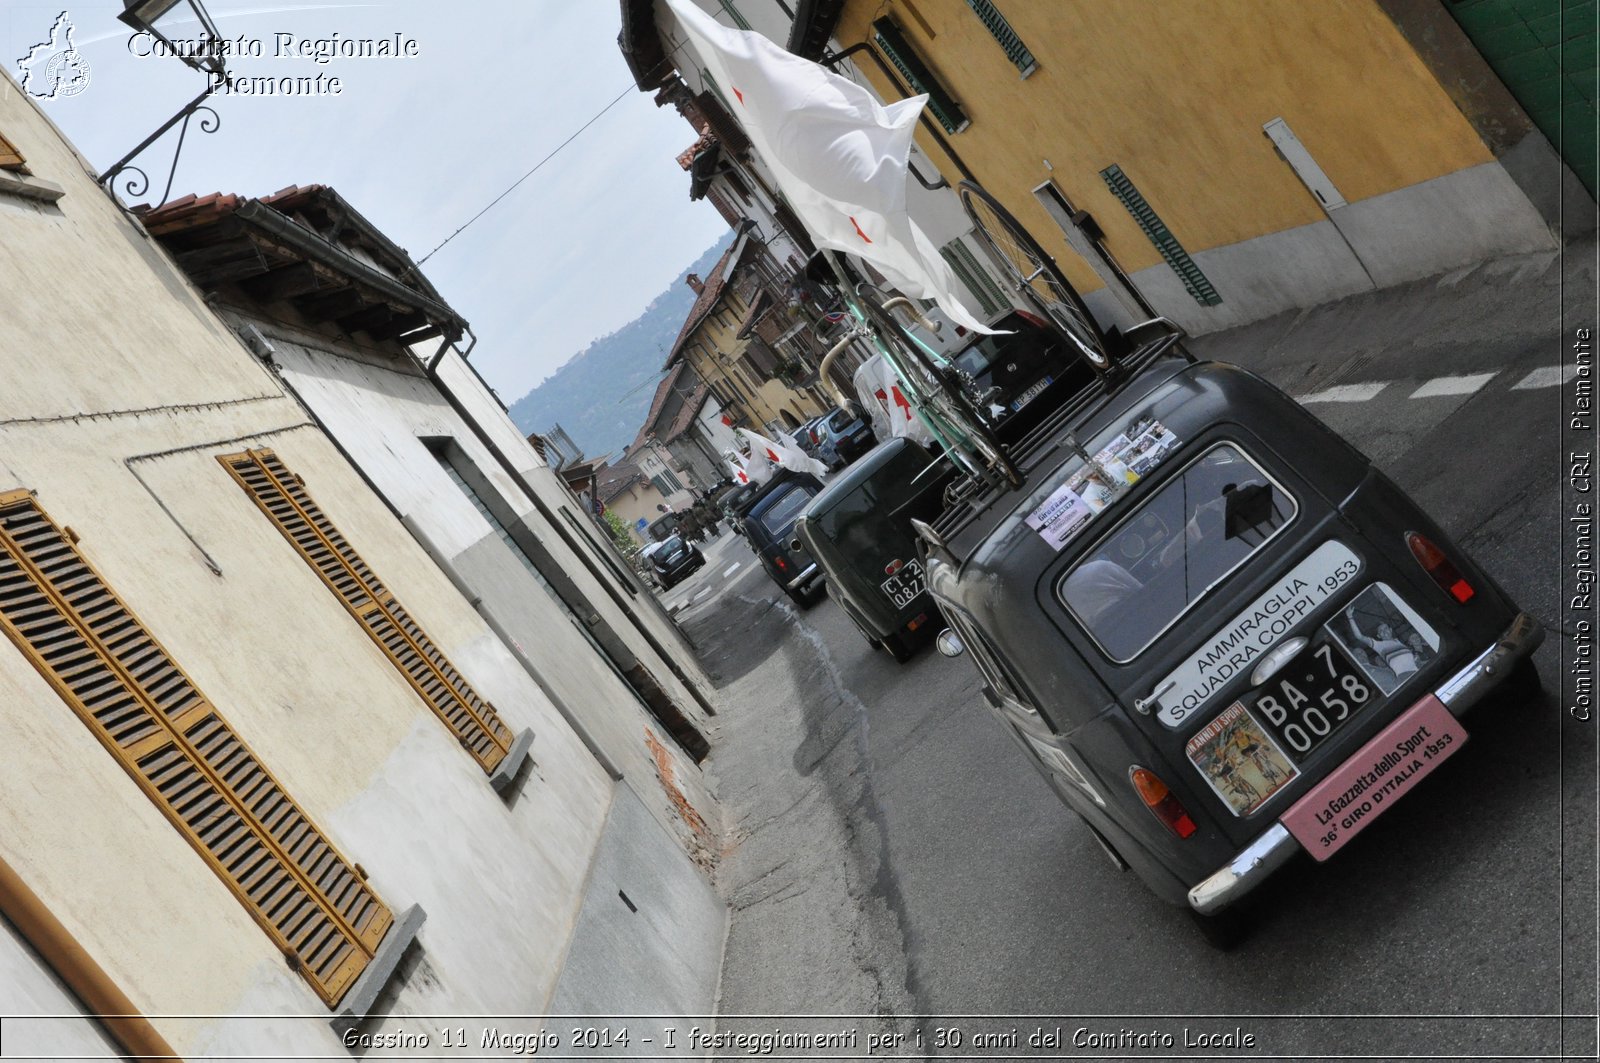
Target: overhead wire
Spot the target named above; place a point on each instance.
(631, 87)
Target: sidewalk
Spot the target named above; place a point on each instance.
(813, 927)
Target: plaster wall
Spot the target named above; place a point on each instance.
(118, 390)
(621, 601)
(381, 417)
(1181, 93)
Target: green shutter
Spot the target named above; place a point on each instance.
(1194, 280)
(940, 103)
(1001, 30)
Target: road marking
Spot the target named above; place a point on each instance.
(1346, 393)
(1452, 385)
(1546, 377)
(702, 592)
(731, 569)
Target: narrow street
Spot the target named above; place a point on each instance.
(891, 852)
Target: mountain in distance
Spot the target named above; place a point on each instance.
(602, 394)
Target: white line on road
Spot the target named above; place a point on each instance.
(1346, 393)
(1452, 385)
(731, 569)
(701, 593)
(1546, 377)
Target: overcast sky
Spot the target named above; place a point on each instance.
(421, 144)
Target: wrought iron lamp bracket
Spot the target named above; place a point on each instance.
(137, 182)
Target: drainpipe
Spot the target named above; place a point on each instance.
(73, 965)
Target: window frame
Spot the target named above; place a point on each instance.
(1059, 583)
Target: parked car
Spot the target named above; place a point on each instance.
(675, 561)
(859, 531)
(1218, 630)
(642, 562)
(767, 517)
(805, 437)
(1022, 373)
(843, 434)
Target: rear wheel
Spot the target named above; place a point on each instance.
(1033, 274)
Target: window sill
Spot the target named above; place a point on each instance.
(26, 187)
(506, 772)
(358, 1003)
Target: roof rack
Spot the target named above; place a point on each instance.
(967, 498)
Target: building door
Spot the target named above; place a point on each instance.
(1546, 57)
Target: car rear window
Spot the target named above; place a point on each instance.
(864, 522)
(779, 515)
(1178, 543)
(840, 420)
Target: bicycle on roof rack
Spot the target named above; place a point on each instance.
(947, 400)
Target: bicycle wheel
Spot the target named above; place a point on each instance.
(1033, 273)
(939, 393)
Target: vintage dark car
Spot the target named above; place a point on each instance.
(859, 531)
(675, 561)
(1219, 631)
(766, 517)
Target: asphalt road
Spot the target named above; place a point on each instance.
(892, 853)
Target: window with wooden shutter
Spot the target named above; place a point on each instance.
(282, 496)
(147, 712)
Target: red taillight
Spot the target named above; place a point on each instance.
(783, 566)
(918, 622)
(1033, 319)
(892, 567)
(1439, 567)
(1160, 800)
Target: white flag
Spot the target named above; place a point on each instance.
(886, 406)
(778, 455)
(838, 155)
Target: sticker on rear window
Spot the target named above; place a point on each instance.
(1131, 454)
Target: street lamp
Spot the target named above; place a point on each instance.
(148, 16)
(142, 16)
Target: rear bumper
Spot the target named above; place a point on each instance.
(811, 575)
(1459, 692)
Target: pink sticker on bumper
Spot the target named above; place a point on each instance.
(1379, 774)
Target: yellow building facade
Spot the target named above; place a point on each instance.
(1290, 152)
(740, 369)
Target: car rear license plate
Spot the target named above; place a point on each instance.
(1313, 696)
(1032, 393)
(904, 586)
(1381, 772)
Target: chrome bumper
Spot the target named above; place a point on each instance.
(1276, 845)
(802, 578)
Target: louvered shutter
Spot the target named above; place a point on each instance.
(283, 498)
(147, 712)
(10, 157)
